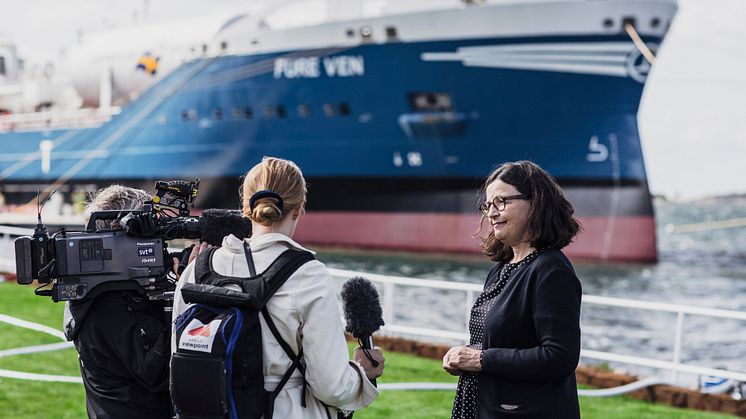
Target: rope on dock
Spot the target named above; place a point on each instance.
(603, 392)
(639, 43)
(31, 325)
(40, 377)
(627, 388)
(36, 349)
(706, 226)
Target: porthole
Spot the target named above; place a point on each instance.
(431, 101)
(329, 110)
(189, 115)
(304, 111)
(344, 109)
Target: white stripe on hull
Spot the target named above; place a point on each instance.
(617, 59)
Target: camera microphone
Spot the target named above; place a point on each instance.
(214, 224)
(362, 312)
(211, 227)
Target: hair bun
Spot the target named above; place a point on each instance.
(266, 212)
(271, 190)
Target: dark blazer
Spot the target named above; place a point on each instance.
(532, 341)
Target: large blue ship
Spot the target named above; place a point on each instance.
(394, 120)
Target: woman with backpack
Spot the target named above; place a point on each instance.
(305, 366)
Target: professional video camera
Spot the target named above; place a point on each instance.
(129, 254)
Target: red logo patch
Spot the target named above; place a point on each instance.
(200, 331)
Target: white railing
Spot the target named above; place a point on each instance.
(76, 118)
(389, 285)
(675, 366)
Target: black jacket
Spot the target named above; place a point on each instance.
(123, 342)
(532, 342)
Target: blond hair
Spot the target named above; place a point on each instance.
(282, 177)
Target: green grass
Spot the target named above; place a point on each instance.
(411, 404)
(35, 399)
(624, 407)
(20, 301)
(29, 399)
(437, 404)
(14, 337)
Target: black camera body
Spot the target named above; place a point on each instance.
(83, 261)
(133, 255)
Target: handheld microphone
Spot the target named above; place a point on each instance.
(362, 312)
(214, 224)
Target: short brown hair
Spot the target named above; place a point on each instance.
(551, 223)
(282, 177)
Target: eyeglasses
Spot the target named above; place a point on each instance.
(500, 202)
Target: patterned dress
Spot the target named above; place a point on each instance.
(465, 405)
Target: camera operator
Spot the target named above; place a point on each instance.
(122, 338)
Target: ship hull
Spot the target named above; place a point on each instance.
(393, 135)
(630, 238)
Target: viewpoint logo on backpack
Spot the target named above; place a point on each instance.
(198, 336)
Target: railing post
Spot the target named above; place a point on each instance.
(388, 303)
(469, 303)
(677, 345)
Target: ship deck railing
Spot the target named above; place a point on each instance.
(52, 120)
(388, 286)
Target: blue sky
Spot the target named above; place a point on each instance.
(692, 118)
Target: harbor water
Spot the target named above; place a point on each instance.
(698, 268)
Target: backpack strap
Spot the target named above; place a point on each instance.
(276, 275)
(203, 264)
(271, 396)
(296, 364)
(249, 258)
(280, 270)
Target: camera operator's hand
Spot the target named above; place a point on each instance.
(196, 250)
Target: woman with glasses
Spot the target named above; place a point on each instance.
(524, 327)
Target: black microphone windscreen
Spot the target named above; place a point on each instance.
(362, 307)
(215, 224)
